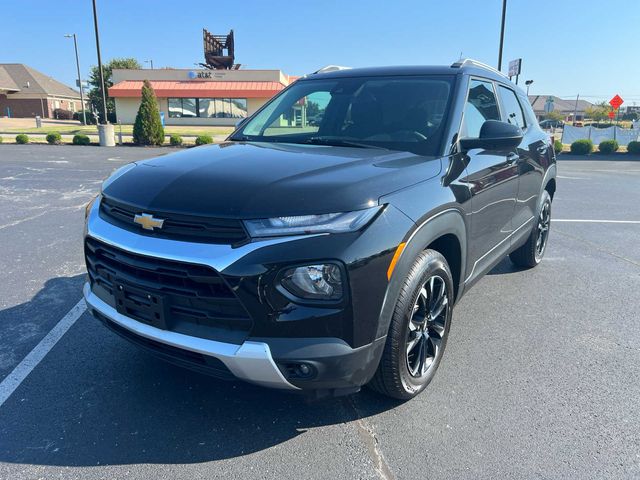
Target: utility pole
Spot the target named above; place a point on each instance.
(504, 15)
(75, 45)
(575, 109)
(102, 85)
(149, 61)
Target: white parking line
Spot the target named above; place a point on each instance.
(575, 220)
(35, 356)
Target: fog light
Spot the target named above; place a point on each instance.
(300, 370)
(314, 282)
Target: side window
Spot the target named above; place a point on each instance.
(511, 107)
(481, 106)
(529, 116)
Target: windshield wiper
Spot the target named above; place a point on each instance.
(340, 142)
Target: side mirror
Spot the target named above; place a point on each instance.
(494, 135)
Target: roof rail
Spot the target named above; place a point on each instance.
(332, 68)
(470, 61)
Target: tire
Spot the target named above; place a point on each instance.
(429, 288)
(530, 254)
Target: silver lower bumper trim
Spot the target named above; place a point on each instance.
(251, 361)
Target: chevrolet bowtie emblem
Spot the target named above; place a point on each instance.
(148, 222)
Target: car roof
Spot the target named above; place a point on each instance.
(463, 67)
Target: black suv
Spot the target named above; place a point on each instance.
(322, 256)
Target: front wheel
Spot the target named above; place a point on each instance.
(530, 254)
(419, 329)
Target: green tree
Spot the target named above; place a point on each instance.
(554, 116)
(95, 94)
(147, 129)
(599, 111)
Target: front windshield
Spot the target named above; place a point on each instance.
(404, 113)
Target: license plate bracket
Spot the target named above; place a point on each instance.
(140, 304)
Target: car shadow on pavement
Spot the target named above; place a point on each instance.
(22, 326)
(505, 266)
(97, 400)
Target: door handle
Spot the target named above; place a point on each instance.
(512, 158)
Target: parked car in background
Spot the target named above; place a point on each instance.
(548, 124)
(322, 258)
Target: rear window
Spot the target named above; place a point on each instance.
(511, 107)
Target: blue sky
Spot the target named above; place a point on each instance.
(568, 46)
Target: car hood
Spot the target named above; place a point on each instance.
(257, 180)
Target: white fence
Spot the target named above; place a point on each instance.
(622, 135)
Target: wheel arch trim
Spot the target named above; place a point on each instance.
(549, 175)
(445, 222)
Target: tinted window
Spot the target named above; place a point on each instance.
(481, 106)
(512, 109)
(529, 116)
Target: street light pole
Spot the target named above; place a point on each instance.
(100, 73)
(504, 15)
(75, 45)
(528, 84)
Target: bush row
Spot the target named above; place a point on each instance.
(585, 147)
(54, 138)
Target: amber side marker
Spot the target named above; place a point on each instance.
(394, 260)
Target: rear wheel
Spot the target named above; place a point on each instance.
(530, 254)
(419, 329)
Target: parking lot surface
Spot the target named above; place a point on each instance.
(540, 377)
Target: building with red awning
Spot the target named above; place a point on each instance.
(197, 97)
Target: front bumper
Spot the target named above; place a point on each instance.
(337, 366)
(250, 361)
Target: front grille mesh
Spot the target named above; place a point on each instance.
(198, 302)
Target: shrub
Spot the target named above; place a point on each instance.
(62, 114)
(22, 139)
(175, 140)
(91, 120)
(582, 147)
(608, 146)
(54, 138)
(0, 139)
(147, 129)
(81, 139)
(204, 139)
(633, 147)
(557, 146)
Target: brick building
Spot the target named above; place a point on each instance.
(26, 92)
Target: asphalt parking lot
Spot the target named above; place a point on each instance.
(540, 377)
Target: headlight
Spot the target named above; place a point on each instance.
(116, 174)
(314, 282)
(327, 223)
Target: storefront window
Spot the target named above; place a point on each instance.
(207, 107)
(175, 107)
(189, 108)
(239, 107)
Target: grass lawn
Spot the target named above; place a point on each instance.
(126, 129)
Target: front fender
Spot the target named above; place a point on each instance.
(449, 221)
